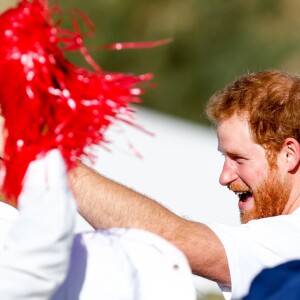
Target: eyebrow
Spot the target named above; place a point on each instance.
(230, 153)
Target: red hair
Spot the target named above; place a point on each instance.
(270, 100)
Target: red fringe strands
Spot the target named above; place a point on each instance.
(47, 101)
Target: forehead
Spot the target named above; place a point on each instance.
(234, 136)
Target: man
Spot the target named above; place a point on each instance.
(257, 121)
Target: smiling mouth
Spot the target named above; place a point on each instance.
(243, 196)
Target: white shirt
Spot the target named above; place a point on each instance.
(256, 245)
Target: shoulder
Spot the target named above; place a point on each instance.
(268, 235)
(257, 245)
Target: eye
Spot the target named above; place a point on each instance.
(239, 159)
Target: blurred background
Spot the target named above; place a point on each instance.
(214, 42)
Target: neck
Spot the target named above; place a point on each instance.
(293, 203)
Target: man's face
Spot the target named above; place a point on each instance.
(262, 192)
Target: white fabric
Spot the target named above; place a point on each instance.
(7, 216)
(126, 264)
(115, 264)
(256, 245)
(35, 250)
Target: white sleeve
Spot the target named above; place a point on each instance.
(256, 245)
(8, 215)
(34, 258)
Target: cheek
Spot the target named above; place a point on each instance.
(253, 175)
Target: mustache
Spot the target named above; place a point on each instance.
(239, 187)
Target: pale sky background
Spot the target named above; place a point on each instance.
(180, 166)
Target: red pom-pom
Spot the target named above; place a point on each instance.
(47, 101)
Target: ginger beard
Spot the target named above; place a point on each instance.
(270, 197)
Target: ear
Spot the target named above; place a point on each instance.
(290, 154)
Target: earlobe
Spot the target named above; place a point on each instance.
(291, 151)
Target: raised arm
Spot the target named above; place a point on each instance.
(105, 204)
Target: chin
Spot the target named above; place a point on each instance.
(247, 216)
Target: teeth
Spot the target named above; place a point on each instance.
(240, 193)
(243, 195)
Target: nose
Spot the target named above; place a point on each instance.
(228, 173)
